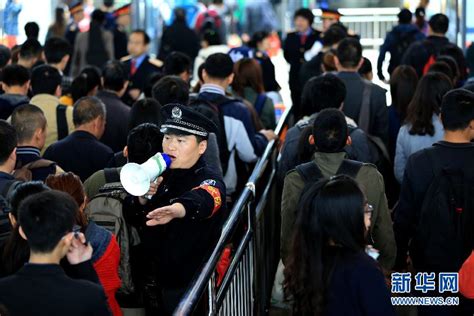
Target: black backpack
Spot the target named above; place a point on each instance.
(213, 112)
(310, 172)
(444, 235)
(403, 41)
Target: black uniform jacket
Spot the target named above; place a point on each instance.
(182, 246)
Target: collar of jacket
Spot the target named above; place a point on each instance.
(35, 269)
(332, 160)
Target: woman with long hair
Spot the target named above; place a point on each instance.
(248, 84)
(58, 28)
(106, 252)
(422, 126)
(87, 84)
(94, 47)
(329, 271)
(403, 82)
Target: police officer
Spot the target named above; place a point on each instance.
(188, 208)
(122, 19)
(77, 14)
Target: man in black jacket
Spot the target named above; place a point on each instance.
(454, 152)
(348, 61)
(420, 53)
(139, 65)
(81, 152)
(41, 287)
(294, 47)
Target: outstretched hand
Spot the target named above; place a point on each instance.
(165, 214)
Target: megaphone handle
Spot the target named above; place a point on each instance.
(149, 196)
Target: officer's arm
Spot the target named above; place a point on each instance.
(203, 201)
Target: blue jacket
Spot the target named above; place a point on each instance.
(391, 44)
(10, 18)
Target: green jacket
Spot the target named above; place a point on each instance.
(371, 182)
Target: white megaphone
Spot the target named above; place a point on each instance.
(136, 178)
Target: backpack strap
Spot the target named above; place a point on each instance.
(364, 113)
(309, 171)
(350, 167)
(111, 175)
(61, 121)
(260, 103)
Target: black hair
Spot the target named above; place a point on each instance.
(114, 75)
(31, 48)
(87, 109)
(457, 109)
(176, 63)
(144, 141)
(45, 218)
(26, 119)
(426, 102)
(179, 14)
(15, 75)
(96, 53)
(22, 191)
(82, 85)
(420, 12)
(257, 37)
(171, 89)
(146, 37)
(322, 92)
(404, 16)
(453, 65)
(16, 250)
(330, 131)
(212, 37)
(45, 79)
(442, 67)
(8, 139)
(55, 49)
(32, 30)
(334, 35)
(305, 14)
(146, 110)
(152, 80)
(5, 56)
(108, 3)
(330, 211)
(458, 55)
(366, 67)
(403, 82)
(349, 52)
(219, 66)
(439, 23)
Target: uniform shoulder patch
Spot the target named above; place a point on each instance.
(210, 182)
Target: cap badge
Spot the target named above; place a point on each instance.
(176, 113)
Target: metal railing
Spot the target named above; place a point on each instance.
(253, 227)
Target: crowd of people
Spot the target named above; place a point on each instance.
(368, 190)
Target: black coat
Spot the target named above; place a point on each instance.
(81, 153)
(179, 38)
(378, 124)
(46, 290)
(141, 77)
(294, 52)
(120, 43)
(182, 246)
(116, 127)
